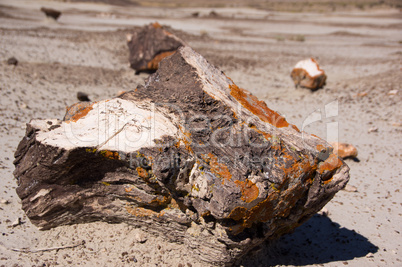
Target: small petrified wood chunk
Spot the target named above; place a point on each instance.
(149, 45)
(81, 96)
(12, 61)
(308, 74)
(344, 150)
(51, 13)
(189, 156)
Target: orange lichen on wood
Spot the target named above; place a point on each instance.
(220, 169)
(320, 147)
(249, 191)
(298, 168)
(161, 202)
(257, 107)
(173, 204)
(141, 212)
(186, 140)
(110, 154)
(207, 213)
(153, 64)
(265, 134)
(135, 198)
(156, 25)
(262, 212)
(331, 163)
(238, 213)
(142, 173)
(79, 114)
(128, 189)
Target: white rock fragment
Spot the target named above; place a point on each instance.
(4, 201)
(370, 255)
(16, 222)
(393, 92)
(324, 212)
(140, 237)
(350, 188)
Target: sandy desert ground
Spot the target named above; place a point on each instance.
(359, 48)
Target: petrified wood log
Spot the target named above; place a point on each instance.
(51, 13)
(189, 156)
(307, 73)
(150, 45)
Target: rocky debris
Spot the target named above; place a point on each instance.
(361, 94)
(344, 150)
(51, 13)
(213, 14)
(373, 129)
(16, 222)
(324, 211)
(140, 237)
(308, 74)
(189, 156)
(12, 61)
(4, 201)
(393, 92)
(149, 45)
(81, 96)
(350, 188)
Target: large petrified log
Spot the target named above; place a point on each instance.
(149, 45)
(189, 156)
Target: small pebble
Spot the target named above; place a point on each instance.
(4, 201)
(362, 94)
(12, 61)
(373, 129)
(16, 222)
(140, 237)
(324, 212)
(393, 92)
(23, 105)
(81, 96)
(370, 255)
(350, 188)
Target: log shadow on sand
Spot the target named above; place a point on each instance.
(318, 241)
